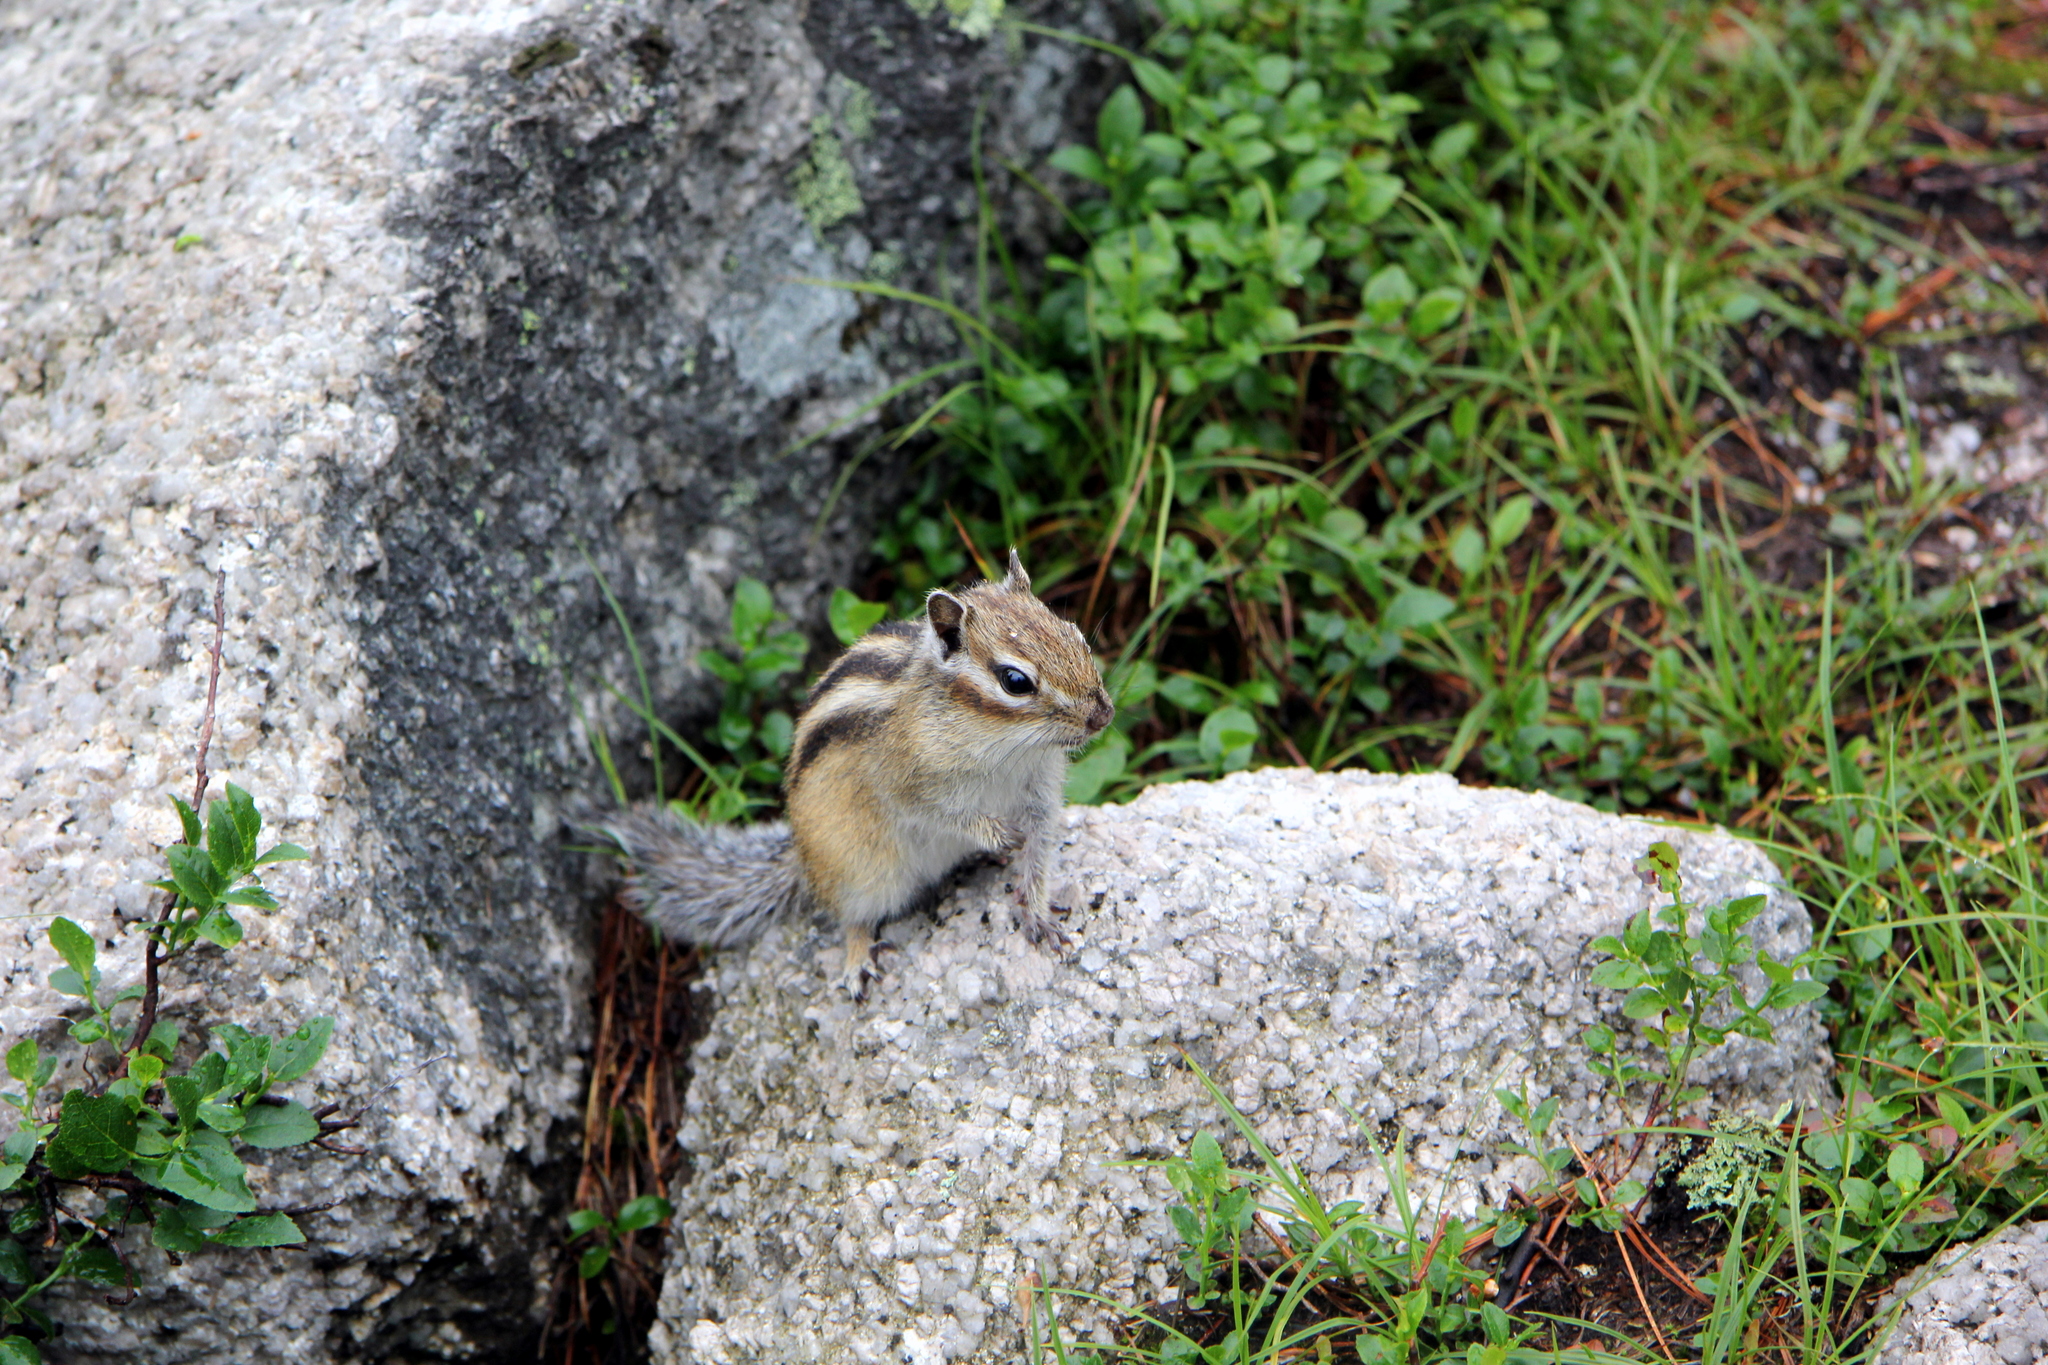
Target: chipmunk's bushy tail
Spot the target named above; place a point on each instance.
(712, 885)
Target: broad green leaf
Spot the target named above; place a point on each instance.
(222, 1118)
(218, 926)
(1453, 144)
(1121, 123)
(298, 1054)
(264, 1230)
(1414, 607)
(643, 1212)
(283, 853)
(172, 1234)
(278, 1125)
(255, 897)
(96, 1264)
(591, 1263)
(1509, 520)
(224, 846)
(209, 1174)
(22, 1059)
(852, 618)
(95, 1133)
(10, 1174)
(753, 607)
(1906, 1167)
(1227, 737)
(1096, 769)
(75, 946)
(584, 1221)
(21, 1144)
(188, 819)
(185, 1093)
(19, 1351)
(198, 880)
(14, 1267)
(1467, 549)
(248, 822)
(1081, 162)
(1435, 311)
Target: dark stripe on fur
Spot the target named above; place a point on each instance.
(841, 727)
(973, 698)
(885, 664)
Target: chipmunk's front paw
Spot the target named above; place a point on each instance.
(863, 967)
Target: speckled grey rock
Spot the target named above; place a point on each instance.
(1985, 1304)
(387, 309)
(1351, 957)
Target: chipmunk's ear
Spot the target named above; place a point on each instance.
(947, 614)
(1016, 580)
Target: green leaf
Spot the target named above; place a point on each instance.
(19, 1351)
(1227, 737)
(95, 1133)
(222, 1118)
(1081, 162)
(64, 981)
(1275, 71)
(254, 897)
(1374, 194)
(852, 618)
(10, 1174)
(75, 946)
(231, 857)
(753, 607)
(189, 820)
(1467, 549)
(591, 1263)
(1453, 144)
(1435, 311)
(21, 1144)
(97, 1264)
(185, 1096)
(209, 1174)
(218, 926)
(283, 853)
(248, 822)
(1906, 1167)
(584, 1221)
(1096, 769)
(1205, 1154)
(1121, 123)
(181, 1228)
(1414, 607)
(248, 1057)
(1510, 519)
(14, 1267)
(293, 1057)
(21, 1062)
(263, 1230)
(279, 1125)
(643, 1212)
(198, 880)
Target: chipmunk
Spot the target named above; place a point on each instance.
(924, 744)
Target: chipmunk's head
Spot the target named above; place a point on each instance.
(1006, 657)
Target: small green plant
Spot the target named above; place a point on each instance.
(644, 1212)
(152, 1141)
(1682, 1003)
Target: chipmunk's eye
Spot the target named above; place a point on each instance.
(1015, 681)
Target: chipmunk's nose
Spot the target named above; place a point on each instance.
(1099, 712)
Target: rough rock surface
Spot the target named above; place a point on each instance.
(1985, 1304)
(1352, 957)
(386, 309)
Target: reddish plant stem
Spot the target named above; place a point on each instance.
(153, 954)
